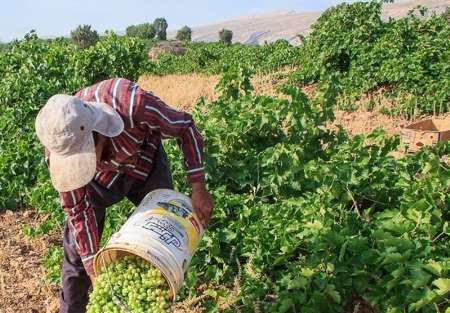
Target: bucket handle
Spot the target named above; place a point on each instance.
(116, 299)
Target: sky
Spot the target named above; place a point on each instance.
(57, 17)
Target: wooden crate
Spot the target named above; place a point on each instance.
(425, 133)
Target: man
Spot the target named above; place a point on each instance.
(102, 145)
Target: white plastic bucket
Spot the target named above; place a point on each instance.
(163, 230)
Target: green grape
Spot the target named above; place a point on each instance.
(138, 285)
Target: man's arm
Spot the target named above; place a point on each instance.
(170, 123)
(82, 225)
(81, 222)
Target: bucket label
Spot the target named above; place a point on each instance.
(179, 226)
(166, 230)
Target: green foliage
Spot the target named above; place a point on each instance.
(408, 56)
(184, 34)
(113, 56)
(160, 25)
(52, 261)
(84, 37)
(257, 133)
(143, 31)
(213, 58)
(44, 198)
(306, 218)
(226, 36)
(234, 82)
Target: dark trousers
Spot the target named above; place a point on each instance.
(75, 281)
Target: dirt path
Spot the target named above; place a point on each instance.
(22, 274)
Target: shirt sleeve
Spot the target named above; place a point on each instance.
(159, 117)
(82, 224)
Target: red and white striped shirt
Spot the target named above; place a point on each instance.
(147, 120)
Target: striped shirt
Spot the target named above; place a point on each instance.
(147, 120)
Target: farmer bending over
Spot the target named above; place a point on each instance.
(102, 145)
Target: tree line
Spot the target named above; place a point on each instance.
(84, 36)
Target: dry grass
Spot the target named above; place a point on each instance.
(180, 91)
(184, 90)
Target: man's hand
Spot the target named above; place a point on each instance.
(202, 202)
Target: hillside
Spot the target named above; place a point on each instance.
(288, 24)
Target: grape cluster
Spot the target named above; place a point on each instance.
(133, 282)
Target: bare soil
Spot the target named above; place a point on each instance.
(22, 275)
(363, 122)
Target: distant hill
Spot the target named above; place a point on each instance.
(288, 24)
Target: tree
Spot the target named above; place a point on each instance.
(184, 34)
(160, 25)
(31, 35)
(144, 31)
(84, 37)
(226, 36)
(301, 37)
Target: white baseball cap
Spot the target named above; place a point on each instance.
(64, 126)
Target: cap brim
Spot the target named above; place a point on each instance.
(69, 172)
(107, 121)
